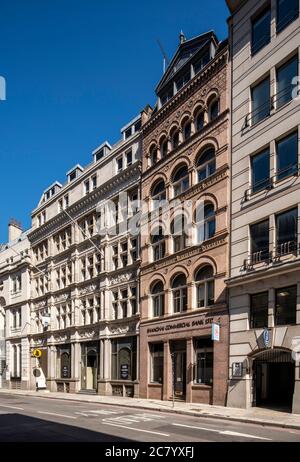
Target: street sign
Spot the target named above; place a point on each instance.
(215, 332)
(37, 353)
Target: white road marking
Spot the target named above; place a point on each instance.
(57, 415)
(244, 435)
(12, 407)
(135, 429)
(222, 432)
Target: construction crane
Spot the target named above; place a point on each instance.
(165, 56)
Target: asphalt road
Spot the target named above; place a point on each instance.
(35, 419)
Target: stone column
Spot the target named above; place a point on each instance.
(189, 369)
(167, 382)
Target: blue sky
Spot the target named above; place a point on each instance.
(76, 72)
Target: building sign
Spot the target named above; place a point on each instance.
(266, 338)
(124, 371)
(196, 323)
(65, 372)
(215, 332)
(36, 353)
(237, 369)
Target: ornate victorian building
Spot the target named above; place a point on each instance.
(184, 237)
(15, 309)
(85, 282)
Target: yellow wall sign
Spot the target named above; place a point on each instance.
(36, 353)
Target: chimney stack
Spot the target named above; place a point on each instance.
(14, 230)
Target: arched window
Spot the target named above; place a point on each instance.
(179, 292)
(199, 122)
(164, 147)
(153, 155)
(205, 286)
(180, 180)
(158, 193)
(158, 244)
(179, 233)
(158, 299)
(214, 109)
(206, 164)
(205, 222)
(187, 130)
(175, 139)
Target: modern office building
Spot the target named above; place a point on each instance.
(264, 278)
(85, 282)
(15, 309)
(184, 234)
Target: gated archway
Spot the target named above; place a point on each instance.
(273, 379)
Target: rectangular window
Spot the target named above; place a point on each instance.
(120, 164)
(261, 30)
(260, 167)
(129, 158)
(260, 101)
(286, 232)
(203, 372)
(157, 362)
(284, 79)
(259, 310)
(259, 233)
(287, 12)
(286, 301)
(94, 181)
(183, 80)
(287, 156)
(166, 96)
(87, 187)
(128, 133)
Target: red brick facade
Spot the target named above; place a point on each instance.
(193, 323)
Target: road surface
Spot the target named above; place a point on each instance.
(36, 419)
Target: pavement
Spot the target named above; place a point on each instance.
(254, 415)
(48, 418)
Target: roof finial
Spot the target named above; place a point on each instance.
(181, 37)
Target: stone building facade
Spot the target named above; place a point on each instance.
(264, 283)
(184, 235)
(15, 309)
(85, 282)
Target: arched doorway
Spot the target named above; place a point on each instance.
(274, 379)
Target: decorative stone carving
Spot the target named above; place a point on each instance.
(121, 278)
(61, 297)
(87, 289)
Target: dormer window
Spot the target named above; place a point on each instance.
(183, 80)
(137, 126)
(74, 173)
(166, 96)
(128, 133)
(72, 176)
(201, 62)
(99, 155)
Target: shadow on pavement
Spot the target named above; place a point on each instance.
(22, 428)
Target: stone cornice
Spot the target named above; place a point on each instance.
(85, 204)
(217, 241)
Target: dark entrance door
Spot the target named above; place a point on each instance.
(179, 369)
(274, 378)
